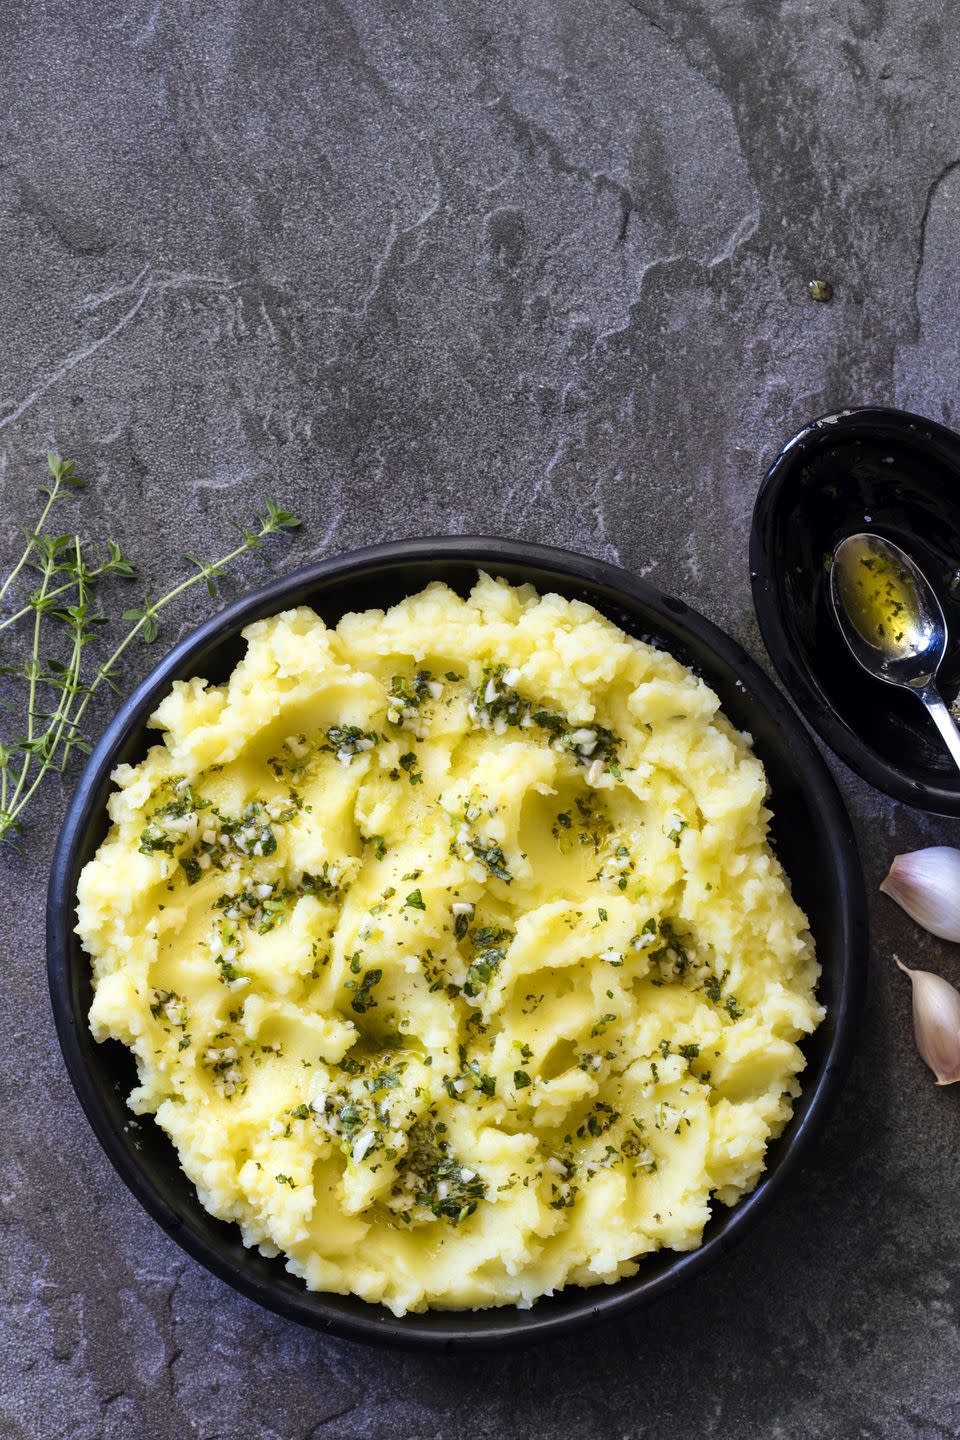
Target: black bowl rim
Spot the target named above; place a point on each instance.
(816, 710)
(320, 1311)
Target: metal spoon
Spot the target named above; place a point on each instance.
(890, 617)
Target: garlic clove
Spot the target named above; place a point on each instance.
(926, 883)
(936, 1022)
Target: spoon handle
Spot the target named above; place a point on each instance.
(943, 720)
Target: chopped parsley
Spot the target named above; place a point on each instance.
(713, 986)
(445, 1188)
(322, 886)
(494, 859)
(586, 744)
(348, 741)
(599, 1121)
(482, 970)
(228, 971)
(155, 836)
(408, 763)
(263, 906)
(461, 921)
(495, 702)
(406, 696)
(363, 1001)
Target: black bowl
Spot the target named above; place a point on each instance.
(898, 475)
(811, 832)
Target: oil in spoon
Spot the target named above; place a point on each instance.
(880, 598)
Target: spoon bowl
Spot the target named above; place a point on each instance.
(889, 615)
(887, 611)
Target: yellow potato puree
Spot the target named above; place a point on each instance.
(451, 948)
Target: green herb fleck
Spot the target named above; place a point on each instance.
(482, 971)
(363, 1001)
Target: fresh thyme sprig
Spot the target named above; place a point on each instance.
(46, 696)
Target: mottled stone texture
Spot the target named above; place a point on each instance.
(533, 268)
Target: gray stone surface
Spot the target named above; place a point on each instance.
(537, 269)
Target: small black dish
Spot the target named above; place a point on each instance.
(811, 832)
(898, 475)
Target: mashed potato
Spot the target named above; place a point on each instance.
(452, 951)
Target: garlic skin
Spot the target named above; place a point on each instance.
(936, 1022)
(926, 883)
